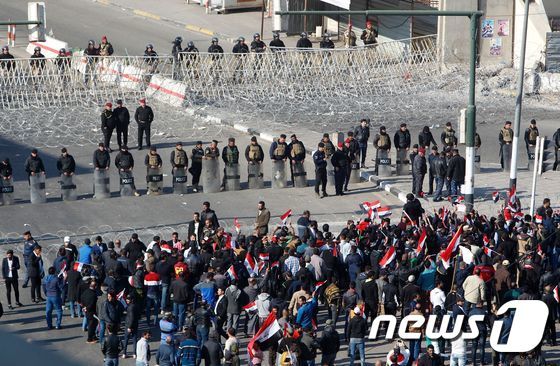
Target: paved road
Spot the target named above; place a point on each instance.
(77, 21)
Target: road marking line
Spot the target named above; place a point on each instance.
(146, 14)
(104, 2)
(197, 29)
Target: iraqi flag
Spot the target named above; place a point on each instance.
(383, 212)
(485, 240)
(556, 293)
(371, 205)
(78, 266)
(319, 284)
(263, 256)
(230, 243)
(538, 219)
(362, 226)
(451, 248)
(285, 217)
(422, 241)
(252, 306)
(260, 267)
(269, 333)
(250, 263)
(275, 264)
(232, 274)
(496, 196)
(388, 257)
(512, 199)
(237, 225)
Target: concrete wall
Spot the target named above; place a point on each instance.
(454, 32)
(497, 48)
(537, 28)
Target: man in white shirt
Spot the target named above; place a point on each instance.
(143, 349)
(437, 296)
(345, 247)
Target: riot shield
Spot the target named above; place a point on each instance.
(354, 172)
(330, 173)
(403, 164)
(180, 181)
(506, 156)
(278, 174)
(255, 176)
(101, 187)
(300, 175)
(232, 178)
(383, 163)
(7, 189)
(67, 188)
(531, 158)
(37, 188)
(154, 179)
(211, 175)
(127, 184)
(476, 160)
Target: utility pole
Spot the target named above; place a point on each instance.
(518, 101)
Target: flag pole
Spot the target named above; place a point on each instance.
(454, 271)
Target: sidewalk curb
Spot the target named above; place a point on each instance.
(149, 15)
(381, 184)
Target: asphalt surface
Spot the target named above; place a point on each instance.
(77, 21)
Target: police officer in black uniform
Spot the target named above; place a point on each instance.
(304, 42)
(328, 145)
(65, 164)
(144, 116)
(125, 163)
(152, 161)
(6, 59)
(319, 158)
(37, 61)
(101, 158)
(276, 42)
(240, 50)
(108, 124)
(34, 164)
(177, 47)
(230, 156)
(254, 152)
(448, 138)
(340, 162)
(122, 118)
(196, 167)
(382, 141)
(279, 149)
(352, 149)
(327, 42)
(258, 47)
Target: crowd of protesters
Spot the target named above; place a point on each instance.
(203, 293)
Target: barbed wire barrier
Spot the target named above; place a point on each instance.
(49, 102)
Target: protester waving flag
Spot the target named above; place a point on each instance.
(285, 216)
(451, 248)
(422, 241)
(268, 334)
(389, 257)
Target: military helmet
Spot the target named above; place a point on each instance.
(178, 39)
(37, 49)
(275, 35)
(5, 48)
(62, 50)
(91, 42)
(214, 39)
(303, 34)
(241, 39)
(326, 35)
(191, 44)
(149, 45)
(256, 35)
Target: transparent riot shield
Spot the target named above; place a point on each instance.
(37, 188)
(232, 178)
(300, 175)
(477, 160)
(101, 184)
(255, 176)
(354, 172)
(211, 175)
(180, 181)
(7, 191)
(403, 164)
(279, 174)
(330, 173)
(383, 163)
(154, 179)
(531, 158)
(127, 183)
(67, 188)
(506, 156)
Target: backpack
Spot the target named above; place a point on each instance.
(332, 294)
